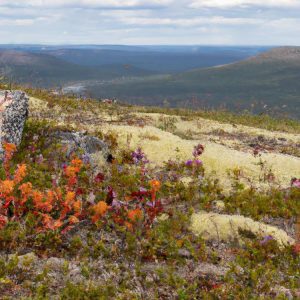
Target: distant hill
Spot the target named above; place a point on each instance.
(159, 59)
(39, 69)
(267, 82)
(236, 78)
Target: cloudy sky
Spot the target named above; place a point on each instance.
(222, 22)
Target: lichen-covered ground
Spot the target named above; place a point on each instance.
(164, 137)
(225, 229)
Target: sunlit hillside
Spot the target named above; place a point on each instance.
(171, 204)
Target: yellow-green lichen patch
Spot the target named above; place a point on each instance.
(217, 158)
(162, 145)
(227, 228)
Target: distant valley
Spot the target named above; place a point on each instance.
(156, 59)
(266, 83)
(44, 70)
(256, 79)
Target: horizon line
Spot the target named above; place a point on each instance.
(150, 45)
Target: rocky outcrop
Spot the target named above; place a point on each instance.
(13, 114)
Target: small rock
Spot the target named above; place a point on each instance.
(55, 263)
(75, 274)
(280, 291)
(210, 269)
(27, 260)
(184, 253)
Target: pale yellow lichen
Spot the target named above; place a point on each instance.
(218, 205)
(205, 126)
(36, 104)
(186, 180)
(163, 217)
(227, 228)
(217, 158)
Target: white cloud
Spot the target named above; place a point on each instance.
(243, 3)
(86, 3)
(19, 22)
(190, 22)
(150, 21)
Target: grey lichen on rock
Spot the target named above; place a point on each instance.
(91, 147)
(13, 114)
(80, 140)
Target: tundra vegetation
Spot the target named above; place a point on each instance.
(131, 225)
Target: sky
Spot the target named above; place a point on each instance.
(149, 22)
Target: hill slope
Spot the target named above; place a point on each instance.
(158, 59)
(269, 81)
(44, 70)
(162, 220)
(161, 134)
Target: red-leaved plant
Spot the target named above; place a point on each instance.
(61, 207)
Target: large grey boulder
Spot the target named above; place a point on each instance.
(13, 114)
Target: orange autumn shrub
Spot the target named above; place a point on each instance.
(66, 203)
(53, 208)
(99, 211)
(9, 150)
(135, 215)
(6, 187)
(72, 171)
(155, 187)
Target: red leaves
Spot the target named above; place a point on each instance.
(20, 173)
(3, 221)
(135, 215)
(80, 191)
(62, 208)
(140, 194)
(53, 208)
(155, 186)
(296, 249)
(99, 178)
(9, 150)
(40, 203)
(111, 195)
(72, 171)
(50, 223)
(26, 190)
